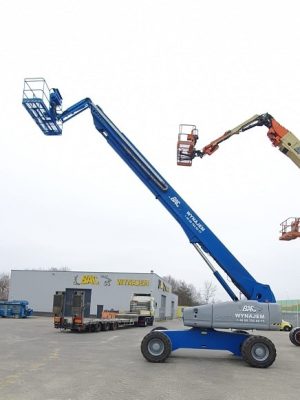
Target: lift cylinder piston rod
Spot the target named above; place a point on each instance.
(215, 272)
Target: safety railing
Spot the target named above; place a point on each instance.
(290, 228)
(43, 104)
(187, 139)
(36, 88)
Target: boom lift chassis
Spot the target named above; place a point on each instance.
(259, 311)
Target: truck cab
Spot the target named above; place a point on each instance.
(142, 309)
(143, 304)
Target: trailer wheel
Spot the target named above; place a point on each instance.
(295, 336)
(113, 326)
(105, 327)
(258, 351)
(159, 328)
(156, 347)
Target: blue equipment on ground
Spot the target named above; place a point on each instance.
(15, 309)
(259, 311)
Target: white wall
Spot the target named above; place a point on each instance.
(112, 290)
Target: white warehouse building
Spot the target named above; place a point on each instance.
(106, 290)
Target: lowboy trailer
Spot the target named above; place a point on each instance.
(77, 322)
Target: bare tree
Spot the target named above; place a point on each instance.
(4, 286)
(59, 269)
(51, 269)
(208, 292)
(187, 294)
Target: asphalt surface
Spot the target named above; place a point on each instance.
(40, 363)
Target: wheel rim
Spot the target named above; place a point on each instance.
(156, 347)
(260, 352)
(297, 337)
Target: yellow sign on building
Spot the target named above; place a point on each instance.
(86, 280)
(163, 286)
(133, 282)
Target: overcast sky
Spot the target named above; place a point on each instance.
(70, 201)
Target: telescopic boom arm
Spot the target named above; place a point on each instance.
(45, 108)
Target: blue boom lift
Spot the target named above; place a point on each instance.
(15, 309)
(259, 309)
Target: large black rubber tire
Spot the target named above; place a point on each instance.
(156, 347)
(295, 336)
(105, 326)
(258, 351)
(287, 328)
(159, 328)
(113, 326)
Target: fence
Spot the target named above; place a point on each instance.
(290, 311)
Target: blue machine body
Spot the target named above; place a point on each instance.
(15, 309)
(195, 338)
(49, 117)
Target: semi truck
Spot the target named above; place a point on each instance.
(141, 313)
